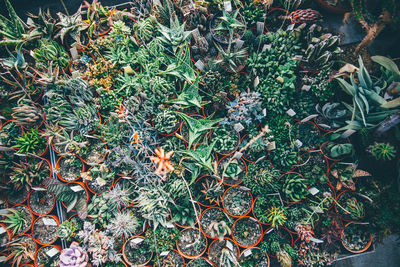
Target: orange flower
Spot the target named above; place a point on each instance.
(162, 159)
(122, 112)
(136, 139)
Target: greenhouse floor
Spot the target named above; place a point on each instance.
(387, 254)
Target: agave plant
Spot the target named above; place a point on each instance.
(71, 25)
(21, 251)
(175, 36)
(43, 24)
(12, 29)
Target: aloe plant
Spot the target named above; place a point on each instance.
(12, 29)
(197, 127)
(189, 97)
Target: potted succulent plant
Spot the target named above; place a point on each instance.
(277, 240)
(284, 158)
(167, 122)
(226, 140)
(200, 262)
(215, 223)
(14, 197)
(31, 142)
(18, 219)
(232, 171)
(237, 201)
(247, 232)
(351, 206)
(41, 202)
(227, 27)
(356, 237)
(5, 235)
(44, 229)
(73, 256)
(98, 178)
(192, 243)
(31, 172)
(271, 203)
(69, 168)
(223, 253)
(47, 256)
(136, 252)
(210, 189)
(172, 259)
(253, 257)
(294, 187)
(94, 152)
(22, 250)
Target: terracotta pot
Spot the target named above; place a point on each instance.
(220, 169)
(59, 175)
(180, 255)
(35, 213)
(33, 228)
(266, 232)
(205, 204)
(201, 229)
(126, 259)
(32, 217)
(84, 188)
(246, 212)
(225, 239)
(11, 204)
(188, 256)
(356, 251)
(9, 234)
(188, 226)
(261, 232)
(94, 192)
(28, 263)
(244, 252)
(204, 258)
(37, 252)
(41, 123)
(103, 158)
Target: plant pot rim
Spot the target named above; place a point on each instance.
(259, 239)
(242, 188)
(33, 228)
(183, 255)
(124, 255)
(29, 205)
(356, 251)
(240, 161)
(266, 254)
(44, 246)
(58, 167)
(201, 216)
(225, 239)
(32, 217)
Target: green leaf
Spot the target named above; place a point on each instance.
(392, 104)
(189, 96)
(389, 65)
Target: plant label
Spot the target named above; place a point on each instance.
(200, 65)
(264, 112)
(169, 225)
(76, 188)
(238, 127)
(49, 221)
(157, 3)
(187, 9)
(164, 253)
(270, 230)
(38, 188)
(229, 245)
(137, 240)
(52, 252)
(256, 81)
(313, 191)
(2, 230)
(247, 253)
(196, 35)
(266, 47)
(271, 146)
(306, 88)
(237, 155)
(3, 258)
(315, 240)
(74, 53)
(290, 112)
(298, 57)
(30, 22)
(239, 44)
(228, 6)
(290, 27)
(298, 143)
(3, 211)
(260, 27)
(308, 118)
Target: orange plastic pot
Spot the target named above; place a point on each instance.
(266, 232)
(356, 251)
(201, 229)
(183, 259)
(84, 188)
(11, 204)
(37, 252)
(206, 205)
(126, 259)
(103, 158)
(59, 175)
(246, 212)
(10, 235)
(225, 239)
(244, 251)
(94, 192)
(183, 255)
(220, 167)
(35, 213)
(33, 228)
(204, 258)
(186, 227)
(259, 239)
(28, 263)
(41, 123)
(30, 213)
